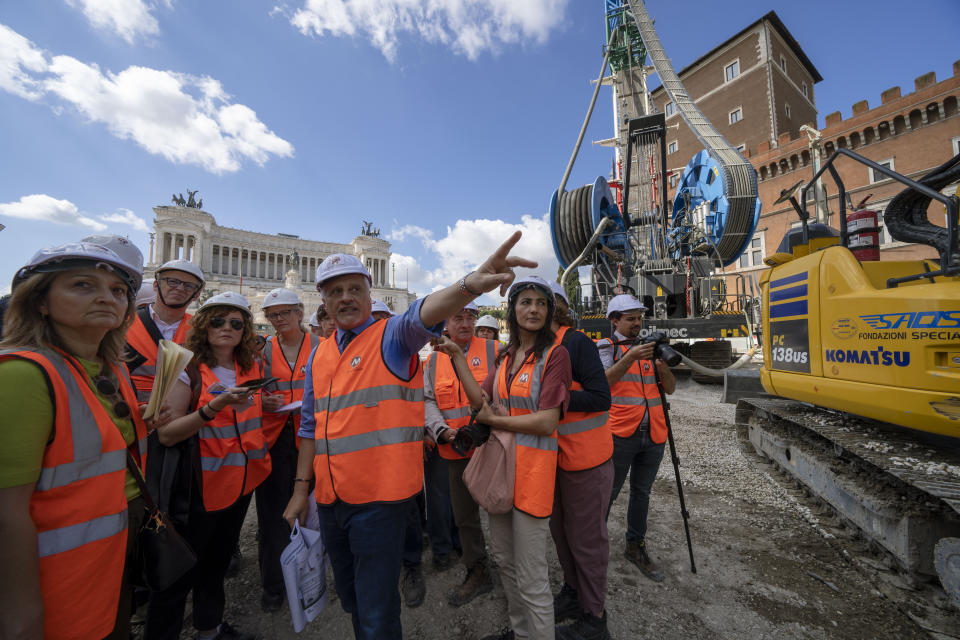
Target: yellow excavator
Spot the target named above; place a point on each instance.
(862, 362)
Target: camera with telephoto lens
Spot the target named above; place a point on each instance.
(472, 435)
(662, 350)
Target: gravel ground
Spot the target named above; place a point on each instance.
(766, 568)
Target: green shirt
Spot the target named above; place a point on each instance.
(27, 422)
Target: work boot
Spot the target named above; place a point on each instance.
(566, 604)
(270, 602)
(476, 582)
(586, 627)
(414, 588)
(442, 562)
(636, 552)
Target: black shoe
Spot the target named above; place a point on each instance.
(503, 635)
(414, 588)
(566, 604)
(442, 562)
(477, 582)
(227, 632)
(636, 552)
(271, 602)
(586, 627)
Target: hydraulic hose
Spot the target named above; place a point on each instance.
(718, 373)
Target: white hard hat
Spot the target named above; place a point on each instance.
(185, 266)
(379, 305)
(146, 295)
(526, 283)
(121, 246)
(313, 322)
(280, 296)
(340, 264)
(558, 290)
(622, 303)
(487, 321)
(472, 306)
(76, 255)
(228, 299)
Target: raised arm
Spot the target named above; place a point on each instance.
(496, 271)
(459, 359)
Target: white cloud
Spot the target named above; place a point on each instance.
(125, 216)
(129, 19)
(184, 118)
(468, 27)
(468, 243)
(44, 208)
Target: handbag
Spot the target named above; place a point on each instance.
(162, 553)
(491, 472)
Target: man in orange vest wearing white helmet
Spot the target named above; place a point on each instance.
(637, 420)
(178, 283)
(362, 430)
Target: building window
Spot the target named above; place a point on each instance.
(674, 179)
(672, 146)
(732, 70)
(669, 109)
(803, 89)
(956, 146)
(876, 176)
(753, 256)
(786, 109)
(742, 147)
(736, 115)
(783, 64)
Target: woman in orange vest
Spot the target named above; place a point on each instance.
(67, 495)
(212, 406)
(527, 395)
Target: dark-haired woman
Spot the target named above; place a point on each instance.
(225, 416)
(526, 393)
(67, 498)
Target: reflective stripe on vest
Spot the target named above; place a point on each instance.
(633, 396)
(78, 506)
(139, 340)
(448, 392)
(369, 423)
(234, 455)
(290, 385)
(536, 456)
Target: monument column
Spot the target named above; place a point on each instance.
(151, 248)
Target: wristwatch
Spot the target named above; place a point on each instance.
(467, 291)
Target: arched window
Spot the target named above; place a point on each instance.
(805, 157)
(794, 162)
(884, 130)
(933, 113)
(950, 106)
(842, 142)
(916, 119)
(869, 136)
(854, 139)
(899, 125)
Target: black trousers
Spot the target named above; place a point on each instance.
(273, 494)
(213, 536)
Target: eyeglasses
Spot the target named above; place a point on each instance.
(235, 324)
(276, 315)
(107, 387)
(173, 283)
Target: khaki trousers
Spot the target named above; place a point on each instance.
(519, 543)
(466, 514)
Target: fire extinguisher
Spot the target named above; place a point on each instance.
(863, 232)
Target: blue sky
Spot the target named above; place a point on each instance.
(448, 128)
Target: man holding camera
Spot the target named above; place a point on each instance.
(637, 419)
(447, 410)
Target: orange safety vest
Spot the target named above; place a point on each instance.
(141, 343)
(369, 424)
(290, 383)
(78, 505)
(632, 395)
(536, 459)
(584, 437)
(234, 456)
(452, 401)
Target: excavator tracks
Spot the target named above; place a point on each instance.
(889, 500)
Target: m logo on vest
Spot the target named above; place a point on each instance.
(475, 362)
(523, 377)
(355, 362)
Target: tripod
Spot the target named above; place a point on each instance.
(675, 459)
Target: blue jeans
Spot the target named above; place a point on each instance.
(365, 544)
(641, 457)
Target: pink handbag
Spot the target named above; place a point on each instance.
(491, 472)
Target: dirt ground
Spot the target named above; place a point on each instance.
(763, 570)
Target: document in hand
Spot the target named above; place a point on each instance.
(172, 359)
(304, 566)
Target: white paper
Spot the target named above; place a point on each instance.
(293, 406)
(304, 565)
(172, 359)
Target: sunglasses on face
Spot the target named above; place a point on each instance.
(107, 387)
(235, 324)
(173, 283)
